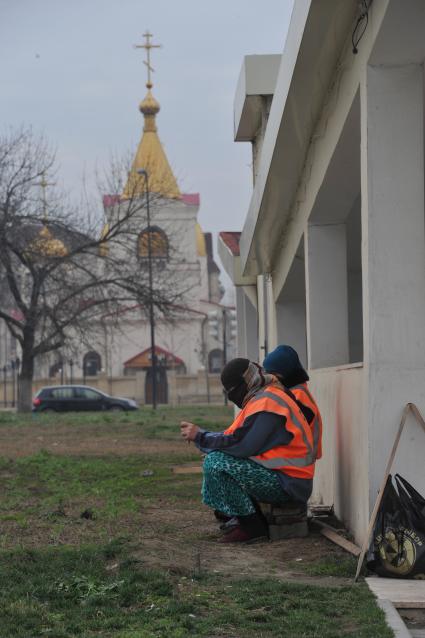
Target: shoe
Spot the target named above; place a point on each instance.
(239, 535)
(229, 524)
(251, 529)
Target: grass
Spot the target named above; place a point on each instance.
(339, 566)
(103, 545)
(118, 483)
(95, 591)
(55, 499)
(159, 424)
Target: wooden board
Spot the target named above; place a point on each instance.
(403, 593)
(336, 538)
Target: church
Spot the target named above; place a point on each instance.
(116, 356)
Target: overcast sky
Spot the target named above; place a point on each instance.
(68, 68)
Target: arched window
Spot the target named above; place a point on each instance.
(215, 360)
(159, 244)
(92, 364)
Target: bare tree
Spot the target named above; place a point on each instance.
(61, 273)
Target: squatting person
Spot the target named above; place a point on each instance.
(265, 455)
(285, 364)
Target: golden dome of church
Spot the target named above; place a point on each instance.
(150, 156)
(46, 245)
(149, 106)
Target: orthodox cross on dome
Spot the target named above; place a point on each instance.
(44, 184)
(148, 46)
(150, 155)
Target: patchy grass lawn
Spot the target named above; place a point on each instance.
(95, 591)
(99, 537)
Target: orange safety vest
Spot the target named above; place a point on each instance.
(295, 459)
(302, 394)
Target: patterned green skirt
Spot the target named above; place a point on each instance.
(230, 484)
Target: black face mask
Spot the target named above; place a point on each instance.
(238, 393)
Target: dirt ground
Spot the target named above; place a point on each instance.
(181, 537)
(30, 439)
(194, 544)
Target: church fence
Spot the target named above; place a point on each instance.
(182, 388)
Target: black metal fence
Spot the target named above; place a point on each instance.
(9, 390)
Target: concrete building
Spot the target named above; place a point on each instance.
(331, 258)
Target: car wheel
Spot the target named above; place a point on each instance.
(116, 408)
(48, 411)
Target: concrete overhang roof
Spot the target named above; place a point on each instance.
(257, 78)
(228, 249)
(316, 36)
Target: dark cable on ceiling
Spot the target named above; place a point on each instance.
(361, 25)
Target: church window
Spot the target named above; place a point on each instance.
(215, 360)
(92, 364)
(159, 243)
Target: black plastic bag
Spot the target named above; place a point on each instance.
(397, 549)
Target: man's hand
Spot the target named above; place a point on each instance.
(188, 430)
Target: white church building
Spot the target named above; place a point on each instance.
(116, 355)
(331, 257)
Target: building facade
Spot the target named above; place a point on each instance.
(331, 258)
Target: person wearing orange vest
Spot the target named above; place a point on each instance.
(285, 364)
(265, 455)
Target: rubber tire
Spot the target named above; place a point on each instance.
(116, 408)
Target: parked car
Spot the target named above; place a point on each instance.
(78, 398)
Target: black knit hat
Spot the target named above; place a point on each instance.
(232, 373)
(284, 362)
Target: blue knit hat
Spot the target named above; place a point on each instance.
(284, 361)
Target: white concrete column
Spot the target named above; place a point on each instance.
(251, 330)
(291, 327)
(271, 314)
(240, 322)
(262, 317)
(326, 292)
(393, 259)
(247, 326)
(266, 308)
(251, 322)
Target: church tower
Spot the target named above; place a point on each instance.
(181, 258)
(150, 155)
